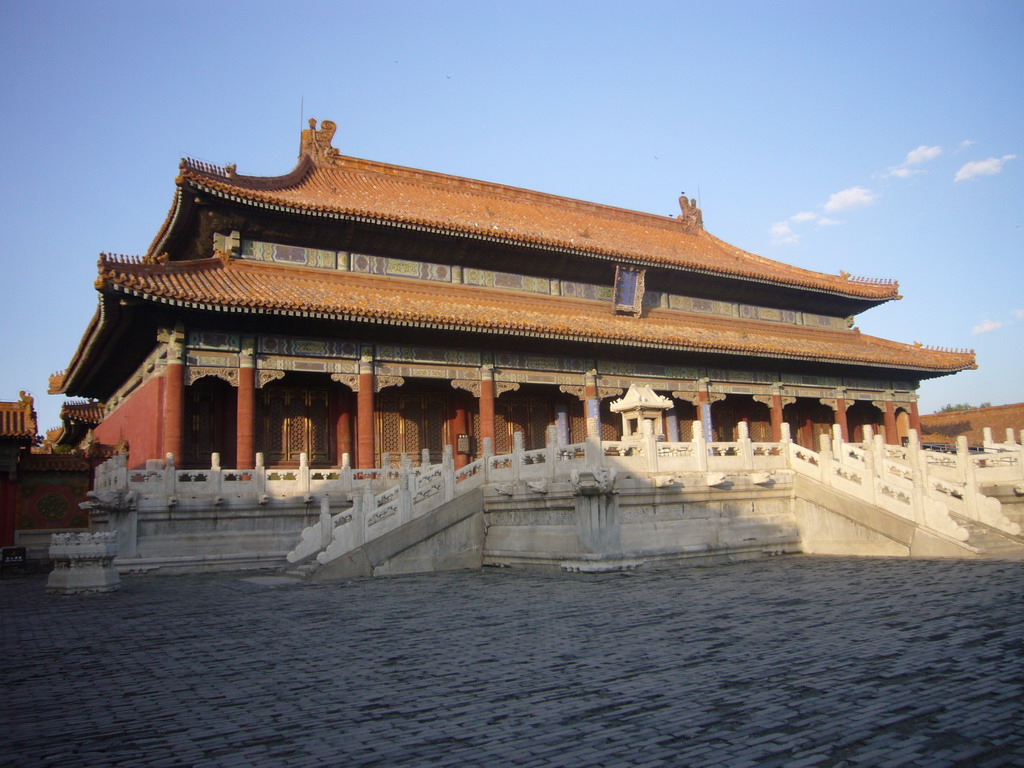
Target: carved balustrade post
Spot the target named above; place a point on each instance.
(700, 446)
(969, 476)
(825, 459)
(786, 445)
(650, 443)
(488, 453)
(406, 485)
(551, 444)
(448, 473)
(261, 475)
(326, 528)
(837, 443)
(517, 456)
(303, 474)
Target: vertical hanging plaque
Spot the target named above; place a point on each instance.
(629, 290)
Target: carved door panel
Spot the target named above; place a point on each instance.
(529, 415)
(408, 423)
(209, 424)
(295, 421)
(723, 422)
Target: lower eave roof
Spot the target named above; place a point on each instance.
(234, 286)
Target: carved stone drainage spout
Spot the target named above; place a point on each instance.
(598, 526)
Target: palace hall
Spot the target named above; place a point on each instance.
(354, 311)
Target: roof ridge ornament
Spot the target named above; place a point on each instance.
(317, 142)
(692, 218)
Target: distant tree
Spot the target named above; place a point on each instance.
(963, 407)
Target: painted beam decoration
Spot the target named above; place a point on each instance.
(629, 290)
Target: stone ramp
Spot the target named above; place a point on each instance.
(448, 538)
(834, 523)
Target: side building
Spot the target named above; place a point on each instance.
(352, 307)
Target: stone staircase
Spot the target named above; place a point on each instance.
(990, 542)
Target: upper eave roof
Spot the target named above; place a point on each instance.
(327, 184)
(226, 285)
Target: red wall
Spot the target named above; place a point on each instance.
(7, 504)
(139, 420)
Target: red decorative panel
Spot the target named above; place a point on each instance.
(45, 503)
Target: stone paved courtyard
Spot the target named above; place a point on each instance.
(793, 661)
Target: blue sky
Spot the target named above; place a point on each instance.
(885, 139)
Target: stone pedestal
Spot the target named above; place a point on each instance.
(83, 563)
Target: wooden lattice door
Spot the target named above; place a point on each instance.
(295, 421)
(408, 423)
(209, 423)
(529, 415)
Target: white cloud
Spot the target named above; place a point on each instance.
(826, 222)
(782, 233)
(966, 143)
(922, 154)
(804, 216)
(899, 173)
(986, 326)
(1018, 314)
(975, 168)
(854, 197)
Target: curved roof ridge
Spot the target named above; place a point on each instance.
(468, 185)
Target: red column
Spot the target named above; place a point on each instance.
(592, 403)
(776, 417)
(704, 414)
(343, 428)
(891, 438)
(841, 418)
(174, 407)
(366, 455)
(915, 418)
(458, 425)
(246, 422)
(487, 405)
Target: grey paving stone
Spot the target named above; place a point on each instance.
(797, 661)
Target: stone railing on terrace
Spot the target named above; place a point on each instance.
(919, 485)
(358, 505)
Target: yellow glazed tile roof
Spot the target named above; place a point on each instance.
(325, 183)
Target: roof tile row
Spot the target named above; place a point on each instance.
(231, 285)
